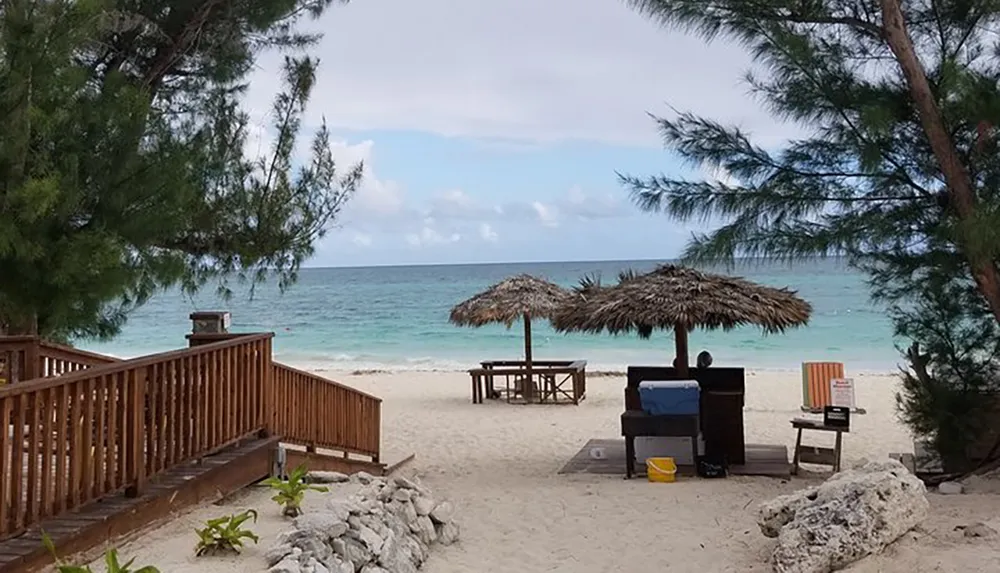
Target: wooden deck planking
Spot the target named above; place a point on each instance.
(762, 460)
(117, 515)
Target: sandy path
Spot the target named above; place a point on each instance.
(498, 464)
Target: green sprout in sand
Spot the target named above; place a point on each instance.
(110, 561)
(292, 491)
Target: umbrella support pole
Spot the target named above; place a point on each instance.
(681, 350)
(529, 386)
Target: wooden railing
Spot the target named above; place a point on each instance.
(70, 439)
(29, 357)
(58, 359)
(312, 411)
(17, 354)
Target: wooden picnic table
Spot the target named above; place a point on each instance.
(558, 379)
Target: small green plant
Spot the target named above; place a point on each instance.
(290, 492)
(225, 534)
(110, 561)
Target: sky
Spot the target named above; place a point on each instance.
(493, 131)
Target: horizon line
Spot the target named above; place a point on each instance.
(549, 262)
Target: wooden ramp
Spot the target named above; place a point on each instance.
(115, 516)
(761, 460)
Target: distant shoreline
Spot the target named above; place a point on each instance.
(590, 373)
(596, 369)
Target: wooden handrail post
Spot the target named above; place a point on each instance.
(135, 462)
(267, 390)
(32, 360)
(378, 431)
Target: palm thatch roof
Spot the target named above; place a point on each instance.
(673, 295)
(510, 300)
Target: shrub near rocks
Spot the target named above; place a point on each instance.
(388, 526)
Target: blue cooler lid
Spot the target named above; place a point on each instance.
(669, 384)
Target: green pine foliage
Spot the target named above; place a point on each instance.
(950, 389)
(124, 166)
(861, 180)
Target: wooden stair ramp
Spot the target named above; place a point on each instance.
(117, 516)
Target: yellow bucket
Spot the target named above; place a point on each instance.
(662, 470)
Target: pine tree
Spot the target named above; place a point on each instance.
(898, 170)
(124, 168)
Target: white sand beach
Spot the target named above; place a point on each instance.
(498, 464)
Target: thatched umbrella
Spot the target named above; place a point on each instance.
(679, 299)
(519, 297)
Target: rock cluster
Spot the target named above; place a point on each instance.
(854, 514)
(387, 526)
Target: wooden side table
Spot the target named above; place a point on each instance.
(636, 423)
(814, 454)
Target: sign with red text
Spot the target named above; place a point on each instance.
(842, 392)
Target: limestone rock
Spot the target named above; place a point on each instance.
(342, 509)
(854, 514)
(425, 530)
(406, 483)
(442, 512)
(423, 505)
(324, 525)
(408, 512)
(352, 550)
(314, 566)
(447, 533)
(277, 552)
(373, 541)
(337, 565)
(977, 530)
(950, 488)
(286, 565)
(327, 477)
(377, 529)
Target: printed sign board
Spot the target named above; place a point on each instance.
(837, 417)
(842, 392)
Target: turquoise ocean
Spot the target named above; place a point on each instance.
(396, 319)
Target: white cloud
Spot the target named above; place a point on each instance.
(590, 206)
(546, 214)
(580, 69)
(362, 239)
(459, 204)
(487, 233)
(429, 236)
(382, 214)
(376, 196)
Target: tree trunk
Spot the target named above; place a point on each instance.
(960, 192)
(11, 325)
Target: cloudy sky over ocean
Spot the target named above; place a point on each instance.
(492, 131)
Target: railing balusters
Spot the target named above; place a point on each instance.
(6, 467)
(48, 451)
(135, 466)
(113, 451)
(99, 425)
(318, 413)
